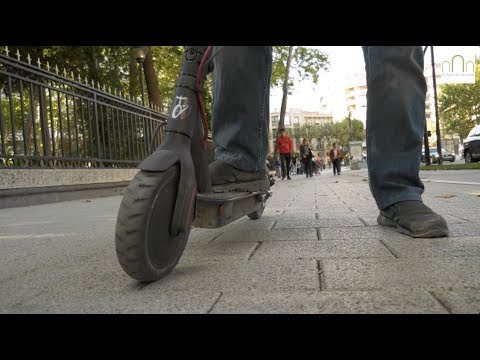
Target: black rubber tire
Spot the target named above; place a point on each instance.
(144, 246)
(256, 214)
(468, 157)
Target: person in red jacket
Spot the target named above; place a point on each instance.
(285, 148)
(335, 155)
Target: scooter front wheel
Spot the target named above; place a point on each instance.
(145, 248)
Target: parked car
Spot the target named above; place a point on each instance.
(471, 146)
(446, 155)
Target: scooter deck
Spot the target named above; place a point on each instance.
(214, 210)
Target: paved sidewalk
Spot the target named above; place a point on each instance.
(316, 249)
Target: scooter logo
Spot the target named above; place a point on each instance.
(182, 108)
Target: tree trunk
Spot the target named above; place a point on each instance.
(43, 115)
(283, 109)
(151, 80)
(92, 64)
(133, 77)
(30, 130)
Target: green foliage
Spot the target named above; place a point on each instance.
(306, 64)
(329, 133)
(167, 60)
(459, 105)
(112, 66)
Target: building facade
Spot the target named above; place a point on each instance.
(356, 97)
(296, 117)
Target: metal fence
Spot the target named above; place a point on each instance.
(52, 120)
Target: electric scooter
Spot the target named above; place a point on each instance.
(172, 191)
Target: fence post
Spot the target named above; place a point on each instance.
(99, 154)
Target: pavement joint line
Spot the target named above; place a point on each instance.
(458, 217)
(451, 182)
(392, 288)
(389, 249)
(319, 237)
(215, 303)
(320, 276)
(255, 248)
(440, 301)
(363, 221)
(141, 286)
(216, 237)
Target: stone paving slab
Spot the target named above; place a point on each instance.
(249, 224)
(251, 275)
(267, 235)
(98, 274)
(329, 302)
(203, 236)
(19, 257)
(443, 247)
(138, 302)
(298, 211)
(272, 203)
(462, 301)
(377, 274)
(464, 229)
(325, 214)
(60, 257)
(359, 232)
(292, 216)
(363, 248)
(220, 251)
(368, 220)
(308, 223)
(302, 204)
(471, 216)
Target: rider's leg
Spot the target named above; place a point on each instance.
(395, 127)
(240, 115)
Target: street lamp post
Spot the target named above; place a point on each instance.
(139, 52)
(439, 140)
(349, 131)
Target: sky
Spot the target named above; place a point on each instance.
(345, 61)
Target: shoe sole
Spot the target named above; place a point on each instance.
(251, 186)
(434, 233)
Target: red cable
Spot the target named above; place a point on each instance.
(199, 96)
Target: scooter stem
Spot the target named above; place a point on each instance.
(182, 143)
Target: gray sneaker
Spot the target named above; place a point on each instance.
(415, 219)
(227, 178)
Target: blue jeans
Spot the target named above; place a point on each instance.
(240, 109)
(395, 115)
(395, 122)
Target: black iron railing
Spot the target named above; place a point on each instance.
(51, 120)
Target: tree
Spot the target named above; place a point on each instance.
(304, 62)
(329, 133)
(285, 86)
(459, 105)
(151, 79)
